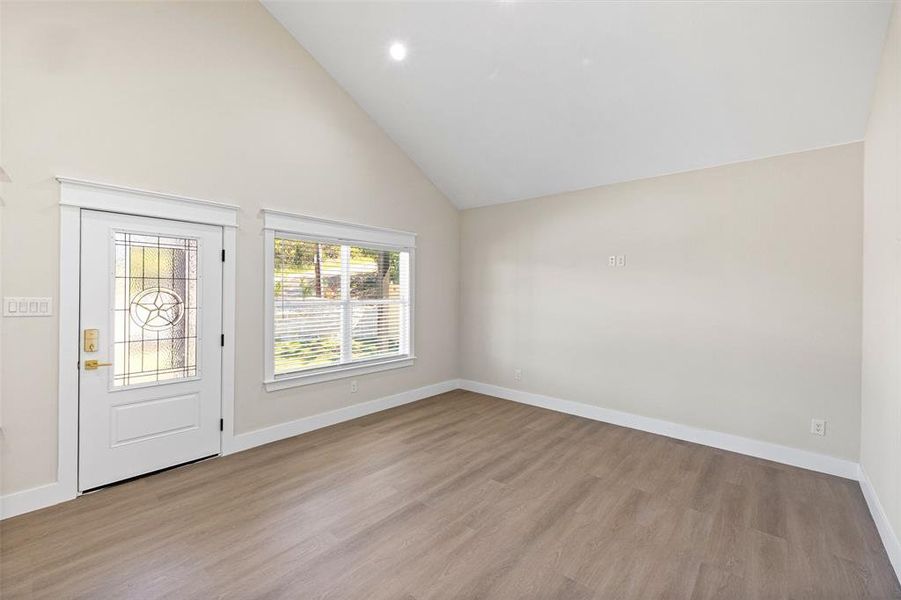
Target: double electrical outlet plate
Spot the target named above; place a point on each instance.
(818, 426)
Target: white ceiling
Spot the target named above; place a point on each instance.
(500, 101)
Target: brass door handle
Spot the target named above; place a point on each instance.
(90, 365)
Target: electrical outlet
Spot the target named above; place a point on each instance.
(621, 261)
(517, 374)
(818, 426)
(354, 386)
(611, 261)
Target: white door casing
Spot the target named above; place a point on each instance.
(153, 290)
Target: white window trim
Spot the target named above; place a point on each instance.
(331, 232)
(338, 372)
(337, 231)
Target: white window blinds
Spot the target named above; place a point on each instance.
(336, 304)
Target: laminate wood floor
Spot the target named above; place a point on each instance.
(459, 496)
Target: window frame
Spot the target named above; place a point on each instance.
(290, 226)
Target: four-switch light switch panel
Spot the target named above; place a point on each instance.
(27, 307)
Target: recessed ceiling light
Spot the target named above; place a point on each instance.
(398, 51)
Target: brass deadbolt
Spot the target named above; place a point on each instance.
(91, 340)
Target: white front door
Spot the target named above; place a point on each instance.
(151, 314)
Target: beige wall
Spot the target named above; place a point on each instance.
(738, 309)
(880, 446)
(216, 101)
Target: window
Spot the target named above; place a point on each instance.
(338, 300)
(155, 309)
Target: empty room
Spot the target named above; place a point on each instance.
(427, 300)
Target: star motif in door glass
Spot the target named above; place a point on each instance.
(157, 309)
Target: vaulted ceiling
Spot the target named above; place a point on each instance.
(501, 101)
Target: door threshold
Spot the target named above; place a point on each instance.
(143, 475)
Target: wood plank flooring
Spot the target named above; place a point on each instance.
(459, 496)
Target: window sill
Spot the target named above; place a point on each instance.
(341, 372)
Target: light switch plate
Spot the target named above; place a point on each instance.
(27, 306)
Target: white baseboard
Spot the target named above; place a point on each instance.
(724, 441)
(886, 531)
(34, 498)
(766, 450)
(43, 496)
(251, 439)
(49, 494)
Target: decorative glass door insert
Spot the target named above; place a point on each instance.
(155, 309)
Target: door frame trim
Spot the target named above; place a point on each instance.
(77, 195)
(144, 203)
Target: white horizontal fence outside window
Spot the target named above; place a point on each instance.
(336, 306)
